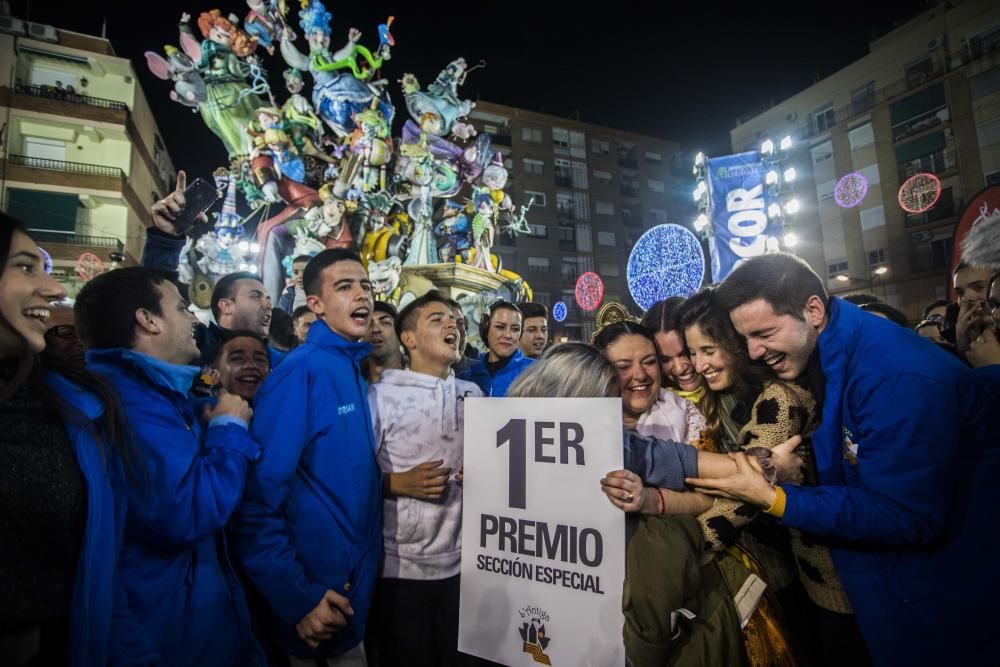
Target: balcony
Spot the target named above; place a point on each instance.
(564, 181)
(924, 121)
(45, 99)
(628, 162)
(935, 163)
(49, 238)
(501, 138)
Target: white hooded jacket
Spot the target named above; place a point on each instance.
(419, 418)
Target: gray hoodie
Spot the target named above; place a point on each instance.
(419, 418)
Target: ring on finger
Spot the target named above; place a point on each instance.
(629, 498)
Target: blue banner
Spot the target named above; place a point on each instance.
(737, 211)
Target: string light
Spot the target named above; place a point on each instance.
(559, 311)
(919, 193)
(589, 291)
(851, 190)
(666, 261)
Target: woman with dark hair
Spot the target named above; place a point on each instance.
(746, 405)
(61, 486)
(678, 372)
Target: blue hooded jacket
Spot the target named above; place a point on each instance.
(498, 384)
(908, 471)
(181, 586)
(102, 631)
(311, 520)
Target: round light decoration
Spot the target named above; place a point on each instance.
(850, 190)
(89, 266)
(919, 193)
(559, 311)
(589, 291)
(666, 261)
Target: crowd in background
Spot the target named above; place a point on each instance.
(807, 480)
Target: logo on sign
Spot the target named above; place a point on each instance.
(533, 636)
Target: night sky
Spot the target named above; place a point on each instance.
(680, 71)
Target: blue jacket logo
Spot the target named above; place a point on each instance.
(345, 409)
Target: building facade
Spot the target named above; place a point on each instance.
(926, 99)
(595, 191)
(82, 159)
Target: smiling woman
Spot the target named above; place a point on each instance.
(57, 570)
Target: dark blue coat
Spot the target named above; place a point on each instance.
(102, 631)
(496, 385)
(181, 586)
(908, 469)
(312, 516)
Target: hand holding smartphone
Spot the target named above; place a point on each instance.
(198, 198)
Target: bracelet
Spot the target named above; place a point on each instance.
(663, 501)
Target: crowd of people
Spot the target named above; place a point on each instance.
(807, 481)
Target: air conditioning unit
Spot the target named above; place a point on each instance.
(58, 273)
(11, 25)
(792, 116)
(935, 43)
(920, 237)
(46, 33)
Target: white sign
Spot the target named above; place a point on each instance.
(543, 551)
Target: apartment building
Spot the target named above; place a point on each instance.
(926, 99)
(595, 190)
(82, 159)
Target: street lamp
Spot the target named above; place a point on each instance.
(872, 276)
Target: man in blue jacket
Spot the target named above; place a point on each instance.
(907, 466)
(180, 584)
(309, 530)
(500, 330)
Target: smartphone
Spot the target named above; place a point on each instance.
(198, 198)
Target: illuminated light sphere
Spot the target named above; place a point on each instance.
(46, 260)
(666, 261)
(589, 291)
(851, 190)
(919, 193)
(559, 311)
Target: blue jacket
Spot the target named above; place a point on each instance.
(908, 473)
(181, 586)
(498, 384)
(102, 631)
(312, 516)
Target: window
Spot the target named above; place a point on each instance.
(609, 269)
(584, 243)
(568, 269)
(988, 133)
(581, 205)
(824, 191)
(872, 217)
(538, 231)
(560, 140)
(984, 42)
(43, 211)
(875, 258)
(920, 72)
(600, 147)
(931, 249)
(564, 205)
(656, 186)
(45, 149)
(659, 216)
(836, 268)
(490, 129)
(579, 173)
(539, 198)
(823, 117)
(564, 173)
(603, 176)
(861, 136)
(577, 144)
(538, 264)
(653, 158)
(871, 174)
(606, 239)
(863, 98)
(993, 178)
(822, 152)
(531, 134)
(533, 167)
(626, 155)
(543, 298)
(604, 207)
